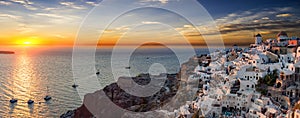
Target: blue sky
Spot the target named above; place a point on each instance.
(220, 8)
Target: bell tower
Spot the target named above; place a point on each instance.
(258, 39)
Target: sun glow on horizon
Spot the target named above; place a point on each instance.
(27, 43)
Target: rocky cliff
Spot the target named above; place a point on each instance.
(112, 101)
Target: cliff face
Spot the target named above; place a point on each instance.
(113, 97)
(81, 112)
(142, 104)
(113, 101)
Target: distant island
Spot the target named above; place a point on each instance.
(7, 52)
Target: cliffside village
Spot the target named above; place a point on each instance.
(260, 81)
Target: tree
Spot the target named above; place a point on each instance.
(268, 80)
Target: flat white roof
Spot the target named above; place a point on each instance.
(287, 72)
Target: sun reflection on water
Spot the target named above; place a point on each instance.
(28, 73)
(24, 86)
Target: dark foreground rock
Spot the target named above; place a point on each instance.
(81, 112)
(113, 97)
(68, 114)
(114, 102)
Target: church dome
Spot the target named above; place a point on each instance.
(258, 35)
(282, 33)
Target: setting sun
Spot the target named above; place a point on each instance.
(27, 43)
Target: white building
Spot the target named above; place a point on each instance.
(257, 104)
(247, 85)
(251, 73)
(258, 39)
(255, 114)
(297, 57)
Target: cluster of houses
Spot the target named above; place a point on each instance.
(260, 81)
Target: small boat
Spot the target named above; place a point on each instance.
(13, 100)
(30, 102)
(47, 98)
(74, 85)
(127, 67)
(98, 72)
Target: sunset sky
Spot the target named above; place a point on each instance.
(56, 22)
